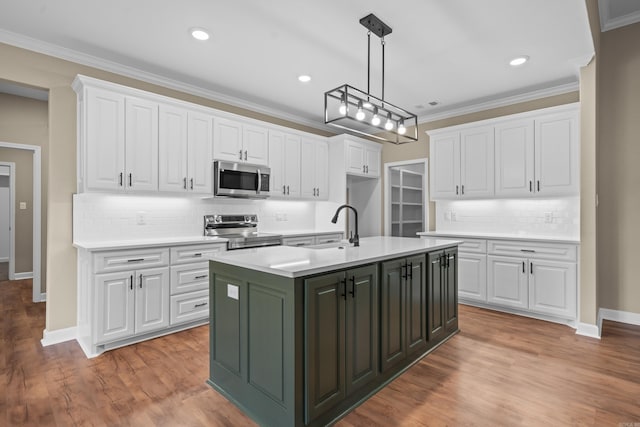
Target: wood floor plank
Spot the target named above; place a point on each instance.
(499, 370)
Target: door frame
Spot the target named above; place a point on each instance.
(12, 216)
(38, 295)
(387, 191)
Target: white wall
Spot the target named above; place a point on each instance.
(115, 217)
(5, 214)
(527, 217)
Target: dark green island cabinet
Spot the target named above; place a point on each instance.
(305, 350)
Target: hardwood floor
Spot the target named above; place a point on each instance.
(500, 370)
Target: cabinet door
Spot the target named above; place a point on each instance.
(514, 158)
(172, 149)
(322, 170)
(435, 296)
(292, 169)
(451, 290)
(141, 136)
(372, 161)
(472, 276)
(308, 165)
(416, 272)
(361, 327)
(105, 121)
(114, 306)
(445, 166)
(277, 186)
(557, 155)
(200, 153)
(227, 140)
(476, 162)
(507, 281)
(392, 314)
(325, 354)
(355, 158)
(552, 288)
(152, 299)
(255, 141)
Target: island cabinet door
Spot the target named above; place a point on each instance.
(436, 296)
(416, 278)
(393, 348)
(325, 298)
(451, 290)
(361, 327)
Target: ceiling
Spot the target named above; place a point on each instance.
(454, 52)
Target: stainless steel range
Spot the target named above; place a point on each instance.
(241, 230)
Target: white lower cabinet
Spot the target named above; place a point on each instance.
(553, 288)
(472, 276)
(507, 281)
(131, 302)
(189, 306)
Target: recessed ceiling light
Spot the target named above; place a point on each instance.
(518, 61)
(304, 78)
(199, 34)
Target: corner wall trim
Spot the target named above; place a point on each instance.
(618, 316)
(22, 276)
(58, 336)
(588, 330)
(43, 297)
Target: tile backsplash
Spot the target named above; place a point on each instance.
(558, 217)
(115, 217)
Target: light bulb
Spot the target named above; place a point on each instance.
(342, 109)
(401, 129)
(375, 120)
(389, 124)
(360, 113)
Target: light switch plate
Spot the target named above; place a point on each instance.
(232, 291)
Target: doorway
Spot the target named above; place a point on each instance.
(7, 223)
(406, 196)
(37, 294)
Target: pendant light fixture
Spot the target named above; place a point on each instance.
(363, 113)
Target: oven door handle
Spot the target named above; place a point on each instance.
(259, 181)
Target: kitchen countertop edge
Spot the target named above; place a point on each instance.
(489, 236)
(110, 245)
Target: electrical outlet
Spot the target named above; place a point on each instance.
(548, 217)
(23, 205)
(141, 218)
(453, 216)
(447, 216)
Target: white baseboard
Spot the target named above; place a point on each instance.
(4, 259)
(42, 298)
(618, 316)
(588, 330)
(58, 336)
(22, 276)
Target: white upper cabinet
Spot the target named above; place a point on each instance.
(141, 146)
(514, 158)
(462, 164)
(557, 154)
(315, 164)
(362, 159)
(185, 159)
(284, 161)
(239, 142)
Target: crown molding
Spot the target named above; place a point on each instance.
(501, 102)
(39, 46)
(608, 23)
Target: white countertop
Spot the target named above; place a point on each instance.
(289, 261)
(499, 236)
(103, 245)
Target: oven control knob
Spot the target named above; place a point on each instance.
(247, 218)
(217, 218)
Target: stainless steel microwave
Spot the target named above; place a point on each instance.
(240, 180)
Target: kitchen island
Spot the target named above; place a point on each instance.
(301, 336)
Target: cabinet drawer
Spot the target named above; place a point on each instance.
(533, 250)
(188, 254)
(189, 306)
(328, 238)
(189, 277)
(105, 262)
(477, 246)
(299, 241)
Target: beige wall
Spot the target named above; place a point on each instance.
(618, 169)
(56, 75)
(25, 121)
(420, 148)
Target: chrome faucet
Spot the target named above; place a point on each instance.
(354, 239)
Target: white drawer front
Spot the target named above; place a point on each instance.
(190, 306)
(189, 277)
(328, 238)
(105, 262)
(187, 254)
(478, 246)
(533, 250)
(299, 241)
